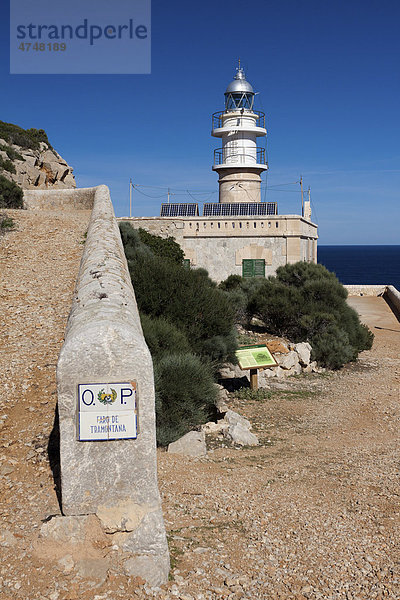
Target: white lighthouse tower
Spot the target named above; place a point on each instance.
(240, 162)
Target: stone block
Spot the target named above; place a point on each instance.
(191, 444)
(239, 434)
(288, 361)
(303, 349)
(154, 571)
(233, 418)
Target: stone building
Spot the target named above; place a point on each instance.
(239, 234)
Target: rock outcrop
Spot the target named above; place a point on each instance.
(40, 168)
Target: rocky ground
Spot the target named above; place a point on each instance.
(312, 512)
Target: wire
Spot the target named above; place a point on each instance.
(148, 196)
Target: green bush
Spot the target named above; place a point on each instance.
(7, 165)
(162, 337)
(306, 302)
(188, 324)
(26, 138)
(239, 290)
(165, 248)
(11, 153)
(185, 297)
(6, 223)
(185, 395)
(11, 195)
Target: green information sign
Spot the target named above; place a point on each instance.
(255, 357)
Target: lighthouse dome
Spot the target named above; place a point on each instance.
(239, 93)
(239, 84)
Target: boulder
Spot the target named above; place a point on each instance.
(233, 418)
(191, 444)
(303, 350)
(222, 399)
(39, 169)
(288, 361)
(277, 346)
(214, 428)
(226, 372)
(94, 570)
(239, 434)
(148, 568)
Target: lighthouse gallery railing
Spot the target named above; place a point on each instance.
(217, 118)
(234, 157)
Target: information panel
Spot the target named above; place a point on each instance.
(107, 411)
(255, 357)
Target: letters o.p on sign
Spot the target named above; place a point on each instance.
(107, 411)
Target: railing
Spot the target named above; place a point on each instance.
(233, 157)
(217, 118)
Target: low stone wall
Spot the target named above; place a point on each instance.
(392, 297)
(104, 344)
(365, 290)
(81, 199)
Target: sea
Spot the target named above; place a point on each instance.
(363, 264)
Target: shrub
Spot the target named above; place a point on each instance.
(239, 290)
(331, 347)
(6, 223)
(11, 153)
(162, 337)
(185, 297)
(306, 302)
(185, 395)
(165, 248)
(7, 165)
(11, 195)
(188, 324)
(26, 138)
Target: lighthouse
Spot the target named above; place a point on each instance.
(240, 161)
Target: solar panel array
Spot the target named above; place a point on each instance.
(240, 209)
(182, 209)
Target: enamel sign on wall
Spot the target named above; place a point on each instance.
(107, 411)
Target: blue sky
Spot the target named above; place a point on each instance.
(329, 81)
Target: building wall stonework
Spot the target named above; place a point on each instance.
(220, 245)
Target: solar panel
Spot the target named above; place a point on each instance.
(182, 209)
(242, 209)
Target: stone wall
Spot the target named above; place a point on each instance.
(365, 290)
(81, 199)
(115, 480)
(392, 297)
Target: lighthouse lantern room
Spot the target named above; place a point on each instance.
(240, 162)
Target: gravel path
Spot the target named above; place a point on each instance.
(313, 512)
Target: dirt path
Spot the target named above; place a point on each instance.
(39, 263)
(313, 512)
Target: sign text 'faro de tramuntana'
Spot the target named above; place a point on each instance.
(107, 411)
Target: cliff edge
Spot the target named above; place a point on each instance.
(28, 159)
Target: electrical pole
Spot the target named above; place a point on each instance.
(168, 195)
(130, 197)
(302, 196)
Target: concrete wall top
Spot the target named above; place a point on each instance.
(68, 200)
(262, 226)
(365, 290)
